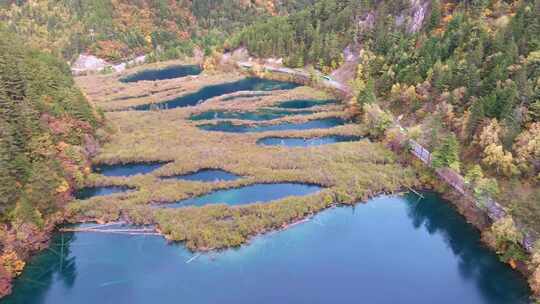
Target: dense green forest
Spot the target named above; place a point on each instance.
(117, 29)
(44, 123)
(471, 77)
(465, 83)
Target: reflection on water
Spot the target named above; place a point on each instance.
(304, 103)
(306, 142)
(207, 175)
(226, 126)
(260, 115)
(391, 250)
(89, 192)
(249, 194)
(170, 72)
(246, 84)
(127, 169)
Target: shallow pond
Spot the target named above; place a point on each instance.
(246, 95)
(89, 192)
(207, 175)
(170, 72)
(391, 250)
(248, 194)
(246, 84)
(225, 126)
(304, 103)
(127, 169)
(259, 115)
(306, 142)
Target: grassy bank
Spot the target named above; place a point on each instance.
(350, 172)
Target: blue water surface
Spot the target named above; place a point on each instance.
(207, 175)
(246, 84)
(305, 103)
(249, 194)
(127, 169)
(260, 115)
(226, 126)
(392, 250)
(170, 72)
(306, 142)
(89, 192)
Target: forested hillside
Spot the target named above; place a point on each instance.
(116, 29)
(46, 135)
(463, 76)
(468, 86)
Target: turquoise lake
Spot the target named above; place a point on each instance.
(246, 84)
(391, 250)
(304, 103)
(207, 175)
(248, 194)
(259, 115)
(127, 169)
(170, 72)
(226, 126)
(89, 192)
(306, 142)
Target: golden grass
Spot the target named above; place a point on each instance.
(350, 171)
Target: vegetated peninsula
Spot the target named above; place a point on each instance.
(185, 119)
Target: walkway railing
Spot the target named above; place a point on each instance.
(493, 209)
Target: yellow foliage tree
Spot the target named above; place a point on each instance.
(527, 148)
(11, 262)
(502, 161)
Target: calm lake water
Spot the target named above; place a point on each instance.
(309, 142)
(259, 115)
(225, 126)
(248, 194)
(89, 192)
(246, 84)
(207, 175)
(304, 103)
(170, 72)
(127, 169)
(391, 250)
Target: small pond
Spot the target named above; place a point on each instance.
(306, 142)
(170, 72)
(391, 250)
(246, 84)
(305, 103)
(246, 95)
(226, 126)
(248, 194)
(207, 175)
(89, 192)
(259, 115)
(127, 169)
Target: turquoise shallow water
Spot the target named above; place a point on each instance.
(127, 169)
(304, 103)
(89, 192)
(391, 250)
(249, 194)
(303, 142)
(226, 126)
(207, 175)
(260, 115)
(170, 72)
(246, 84)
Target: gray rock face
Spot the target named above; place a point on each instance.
(418, 13)
(90, 63)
